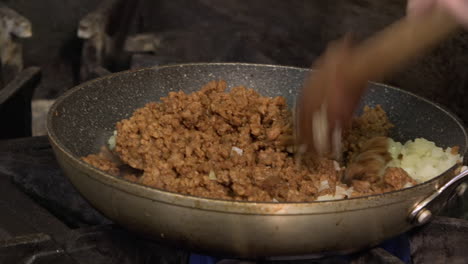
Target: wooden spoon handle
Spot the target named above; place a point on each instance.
(388, 50)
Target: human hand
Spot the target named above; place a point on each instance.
(328, 101)
(457, 8)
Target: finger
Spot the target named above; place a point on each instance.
(419, 7)
(315, 127)
(459, 9)
(338, 99)
(326, 123)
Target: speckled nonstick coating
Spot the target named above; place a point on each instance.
(83, 118)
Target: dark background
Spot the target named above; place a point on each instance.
(292, 32)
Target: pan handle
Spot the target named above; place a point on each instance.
(422, 211)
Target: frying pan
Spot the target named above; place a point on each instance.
(83, 118)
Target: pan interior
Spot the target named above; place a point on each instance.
(83, 119)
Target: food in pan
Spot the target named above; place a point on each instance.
(238, 145)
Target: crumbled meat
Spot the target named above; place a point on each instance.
(103, 164)
(361, 186)
(228, 145)
(103, 161)
(372, 123)
(397, 178)
(131, 177)
(455, 150)
(393, 179)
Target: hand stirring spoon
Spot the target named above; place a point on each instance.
(319, 121)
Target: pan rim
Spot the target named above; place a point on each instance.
(183, 199)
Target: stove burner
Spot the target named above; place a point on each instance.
(393, 251)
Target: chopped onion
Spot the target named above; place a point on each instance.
(327, 197)
(407, 185)
(336, 165)
(340, 193)
(111, 142)
(212, 176)
(323, 185)
(421, 158)
(238, 150)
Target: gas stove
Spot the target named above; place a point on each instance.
(45, 220)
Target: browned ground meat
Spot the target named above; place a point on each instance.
(103, 161)
(397, 178)
(372, 123)
(230, 145)
(393, 179)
